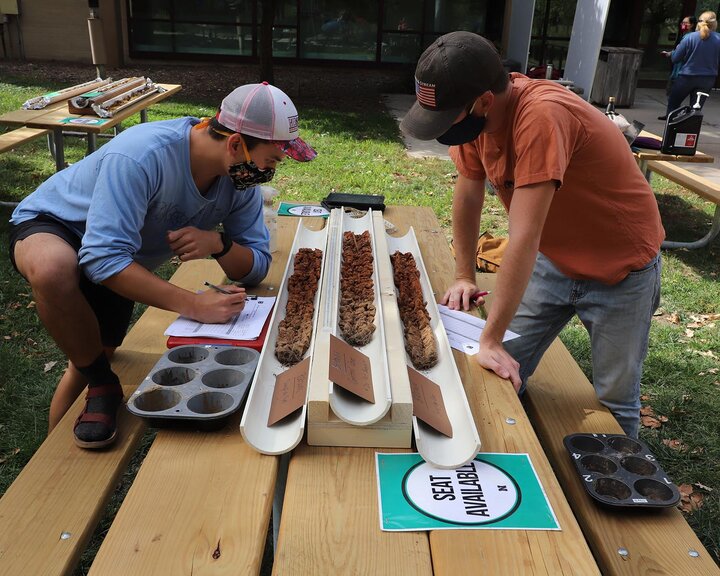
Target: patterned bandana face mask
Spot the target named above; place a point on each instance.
(246, 174)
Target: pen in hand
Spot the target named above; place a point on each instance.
(223, 291)
(480, 294)
(217, 288)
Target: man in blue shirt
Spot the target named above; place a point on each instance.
(88, 239)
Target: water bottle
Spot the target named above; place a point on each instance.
(270, 214)
(611, 106)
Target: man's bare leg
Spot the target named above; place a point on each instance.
(50, 266)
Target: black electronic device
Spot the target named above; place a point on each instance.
(357, 201)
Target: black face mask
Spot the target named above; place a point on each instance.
(247, 174)
(464, 131)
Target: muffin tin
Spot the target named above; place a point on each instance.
(620, 471)
(195, 385)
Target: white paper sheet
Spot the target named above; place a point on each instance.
(463, 330)
(245, 326)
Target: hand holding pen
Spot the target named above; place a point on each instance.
(217, 305)
(475, 297)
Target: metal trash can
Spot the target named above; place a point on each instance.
(616, 75)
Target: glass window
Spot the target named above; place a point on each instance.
(213, 11)
(148, 36)
(402, 15)
(659, 31)
(447, 15)
(284, 42)
(398, 47)
(150, 9)
(285, 12)
(213, 39)
(332, 30)
(551, 30)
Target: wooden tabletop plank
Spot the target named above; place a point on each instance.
(331, 523)
(53, 117)
(331, 497)
(20, 117)
(493, 401)
(201, 502)
(647, 154)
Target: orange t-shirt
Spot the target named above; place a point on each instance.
(603, 221)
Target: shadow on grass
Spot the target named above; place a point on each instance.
(684, 222)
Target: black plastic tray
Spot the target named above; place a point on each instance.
(620, 471)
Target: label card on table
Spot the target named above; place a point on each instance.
(351, 369)
(290, 391)
(428, 404)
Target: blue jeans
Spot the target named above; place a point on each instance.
(617, 318)
(684, 86)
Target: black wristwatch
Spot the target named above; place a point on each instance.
(227, 245)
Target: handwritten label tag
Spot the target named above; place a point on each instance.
(428, 403)
(290, 391)
(350, 369)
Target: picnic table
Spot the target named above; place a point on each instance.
(643, 156)
(671, 167)
(202, 502)
(56, 118)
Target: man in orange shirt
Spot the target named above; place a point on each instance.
(585, 231)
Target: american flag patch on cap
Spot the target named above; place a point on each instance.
(425, 93)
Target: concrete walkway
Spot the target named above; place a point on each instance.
(649, 104)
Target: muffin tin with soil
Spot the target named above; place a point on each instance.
(620, 471)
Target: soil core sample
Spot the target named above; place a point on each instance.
(356, 313)
(295, 330)
(420, 342)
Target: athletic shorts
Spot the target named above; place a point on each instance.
(113, 311)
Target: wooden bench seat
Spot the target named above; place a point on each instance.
(673, 171)
(14, 138)
(561, 401)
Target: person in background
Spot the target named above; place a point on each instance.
(584, 225)
(89, 237)
(687, 25)
(698, 53)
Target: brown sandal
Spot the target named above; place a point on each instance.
(102, 429)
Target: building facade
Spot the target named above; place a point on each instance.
(370, 33)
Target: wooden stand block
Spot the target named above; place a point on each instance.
(394, 429)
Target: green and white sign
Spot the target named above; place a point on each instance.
(492, 491)
(83, 121)
(289, 209)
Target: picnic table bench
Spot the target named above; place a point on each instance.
(14, 138)
(201, 502)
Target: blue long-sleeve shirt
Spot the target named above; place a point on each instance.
(699, 57)
(123, 198)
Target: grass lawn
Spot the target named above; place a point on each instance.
(361, 152)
